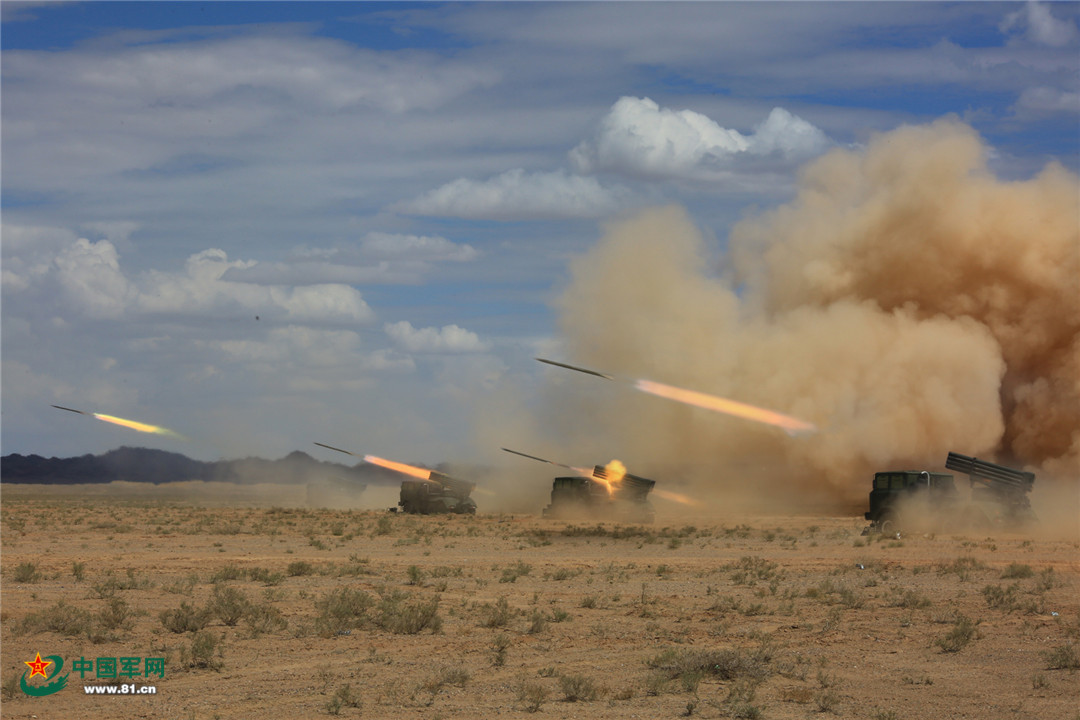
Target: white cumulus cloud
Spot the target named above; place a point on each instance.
(448, 339)
(92, 280)
(1039, 26)
(638, 137)
(1045, 100)
(520, 195)
(90, 275)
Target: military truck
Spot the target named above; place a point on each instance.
(438, 494)
(624, 498)
(431, 491)
(906, 499)
(895, 493)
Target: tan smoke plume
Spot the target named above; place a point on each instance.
(906, 302)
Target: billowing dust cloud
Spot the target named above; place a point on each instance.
(906, 302)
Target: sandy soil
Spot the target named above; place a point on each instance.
(365, 614)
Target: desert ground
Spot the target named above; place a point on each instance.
(263, 608)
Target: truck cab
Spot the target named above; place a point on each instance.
(895, 489)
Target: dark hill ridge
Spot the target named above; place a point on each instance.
(146, 465)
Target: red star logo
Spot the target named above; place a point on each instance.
(37, 666)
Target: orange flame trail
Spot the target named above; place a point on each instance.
(415, 472)
(134, 425)
(123, 422)
(676, 497)
(792, 425)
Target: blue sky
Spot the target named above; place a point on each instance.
(263, 224)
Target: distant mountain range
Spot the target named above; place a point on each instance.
(145, 465)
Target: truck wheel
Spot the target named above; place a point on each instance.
(888, 525)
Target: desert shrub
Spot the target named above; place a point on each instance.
(298, 568)
(1017, 571)
(229, 572)
(499, 646)
(105, 589)
(578, 688)
(78, 570)
(264, 618)
(826, 701)
(531, 695)
(204, 652)
(444, 571)
(416, 575)
(26, 572)
(750, 569)
(228, 604)
(60, 618)
(836, 593)
(742, 692)
(497, 615)
(725, 664)
(1047, 581)
(909, 599)
(408, 618)
(538, 624)
(447, 675)
(184, 619)
(511, 574)
(1002, 598)
(963, 632)
(9, 690)
(744, 711)
(265, 576)
(341, 610)
(343, 697)
(114, 615)
(1063, 657)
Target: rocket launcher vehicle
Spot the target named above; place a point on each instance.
(424, 492)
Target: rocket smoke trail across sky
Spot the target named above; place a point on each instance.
(793, 426)
(123, 422)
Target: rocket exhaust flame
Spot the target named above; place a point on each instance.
(416, 472)
(411, 470)
(676, 497)
(614, 472)
(791, 425)
(123, 422)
